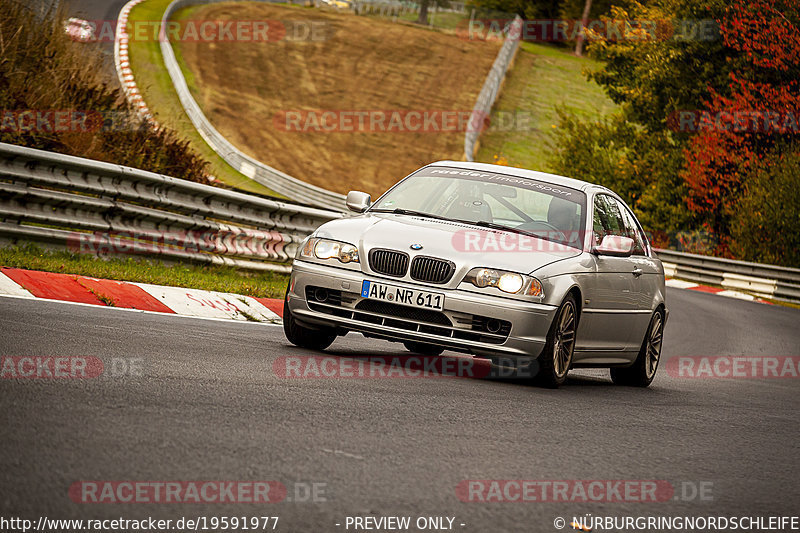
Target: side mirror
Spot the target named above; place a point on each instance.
(358, 201)
(615, 245)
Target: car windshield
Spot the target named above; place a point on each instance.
(499, 201)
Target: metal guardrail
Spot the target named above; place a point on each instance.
(276, 180)
(102, 208)
(491, 88)
(769, 281)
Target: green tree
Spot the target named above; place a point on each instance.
(666, 62)
(640, 166)
(666, 57)
(766, 227)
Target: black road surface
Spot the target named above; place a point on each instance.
(98, 11)
(209, 406)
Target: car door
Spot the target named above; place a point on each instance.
(610, 301)
(647, 273)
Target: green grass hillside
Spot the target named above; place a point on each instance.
(542, 79)
(158, 92)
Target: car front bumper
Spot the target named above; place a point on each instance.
(523, 335)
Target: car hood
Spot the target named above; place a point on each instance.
(466, 245)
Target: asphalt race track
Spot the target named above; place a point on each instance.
(96, 11)
(208, 406)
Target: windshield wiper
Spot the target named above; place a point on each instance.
(399, 211)
(501, 227)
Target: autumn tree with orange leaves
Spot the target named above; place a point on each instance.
(729, 176)
(752, 131)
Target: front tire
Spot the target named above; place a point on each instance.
(556, 357)
(643, 370)
(312, 339)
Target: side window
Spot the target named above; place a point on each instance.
(633, 231)
(607, 218)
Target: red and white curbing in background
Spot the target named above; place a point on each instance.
(123, 64)
(140, 296)
(719, 291)
(730, 282)
(16, 282)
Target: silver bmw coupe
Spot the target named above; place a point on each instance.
(493, 261)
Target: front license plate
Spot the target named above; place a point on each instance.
(399, 295)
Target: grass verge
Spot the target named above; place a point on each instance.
(542, 79)
(211, 278)
(157, 90)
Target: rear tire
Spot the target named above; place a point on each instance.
(556, 357)
(643, 370)
(312, 339)
(422, 348)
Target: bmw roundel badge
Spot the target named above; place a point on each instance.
(416, 247)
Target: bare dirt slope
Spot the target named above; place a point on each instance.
(361, 64)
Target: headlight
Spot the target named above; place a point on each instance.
(509, 282)
(327, 249)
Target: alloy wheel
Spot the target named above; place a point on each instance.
(564, 340)
(654, 345)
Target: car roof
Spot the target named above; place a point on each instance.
(521, 173)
